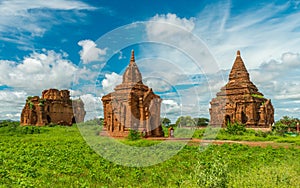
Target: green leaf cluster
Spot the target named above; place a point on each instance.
(235, 128)
(257, 96)
(134, 135)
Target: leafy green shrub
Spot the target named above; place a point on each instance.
(31, 105)
(7, 123)
(41, 102)
(235, 129)
(257, 96)
(14, 128)
(199, 133)
(30, 130)
(213, 173)
(280, 128)
(260, 133)
(29, 98)
(133, 135)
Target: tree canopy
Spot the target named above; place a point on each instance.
(165, 121)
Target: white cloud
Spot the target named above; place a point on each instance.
(37, 72)
(156, 30)
(260, 33)
(90, 52)
(85, 74)
(268, 39)
(21, 20)
(286, 68)
(179, 61)
(170, 109)
(92, 106)
(157, 85)
(110, 81)
(176, 43)
(11, 6)
(12, 103)
(121, 56)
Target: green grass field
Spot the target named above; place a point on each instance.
(60, 157)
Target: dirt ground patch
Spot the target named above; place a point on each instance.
(219, 142)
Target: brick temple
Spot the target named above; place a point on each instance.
(240, 101)
(132, 105)
(53, 107)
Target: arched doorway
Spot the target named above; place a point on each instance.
(244, 118)
(48, 119)
(227, 120)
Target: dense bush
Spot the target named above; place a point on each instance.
(14, 128)
(134, 135)
(285, 124)
(235, 129)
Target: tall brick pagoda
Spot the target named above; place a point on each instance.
(240, 101)
(132, 105)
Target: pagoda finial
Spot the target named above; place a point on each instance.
(238, 70)
(132, 56)
(132, 73)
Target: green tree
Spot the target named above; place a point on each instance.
(165, 121)
(290, 122)
(285, 124)
(185, 121)
(201, 121)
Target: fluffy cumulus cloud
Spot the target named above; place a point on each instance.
(175, 41)
(90, 52)
(11, 104)
(157, 85)
(154, 29)
(170, 108)
(37, 72)
(92, 106)
(110, 81)
(280, 81)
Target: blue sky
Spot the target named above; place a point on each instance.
(184, 50)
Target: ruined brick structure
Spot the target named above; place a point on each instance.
(240, 101)
(53, 107)
(132, 105)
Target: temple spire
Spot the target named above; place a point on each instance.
(132, 56)
(238, 70)
(132, 73)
